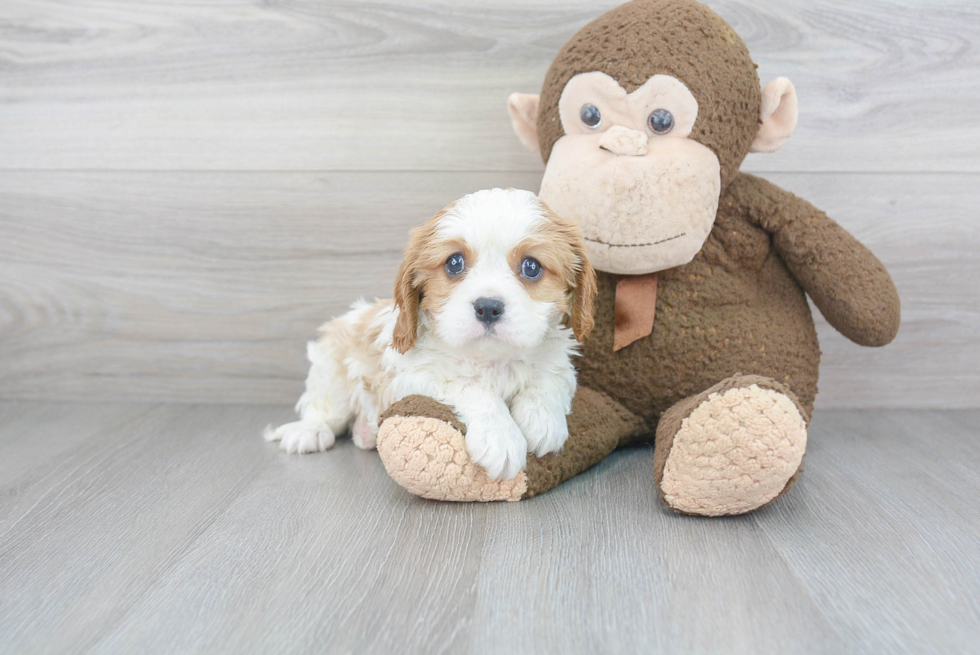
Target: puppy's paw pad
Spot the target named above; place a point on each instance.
(546, 433)
(500, 448)
(300, 438)
(543, 423)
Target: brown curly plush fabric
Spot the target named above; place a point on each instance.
(593, 413)
(740, 307)
(423, 406)
(852, 289)
(687, 40)
(433, 463)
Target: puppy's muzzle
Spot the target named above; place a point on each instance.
(488, 310)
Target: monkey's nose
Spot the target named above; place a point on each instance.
(488, 310)
(621, 140)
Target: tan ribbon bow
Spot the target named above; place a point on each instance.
(636, 307)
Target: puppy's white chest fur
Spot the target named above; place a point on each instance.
(433, 370)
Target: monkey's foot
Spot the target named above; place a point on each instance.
(422, 445)
(731, 449)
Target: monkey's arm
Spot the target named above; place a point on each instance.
(846, 281)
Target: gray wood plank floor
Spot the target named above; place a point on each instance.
(130, 528)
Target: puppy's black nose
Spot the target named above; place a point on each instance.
(488, 310)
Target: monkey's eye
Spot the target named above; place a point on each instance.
(661, 121)
(530, 268)
(591, 116)
(455, 265)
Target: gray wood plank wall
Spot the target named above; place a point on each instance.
(188, 189)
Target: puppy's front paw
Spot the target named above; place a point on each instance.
(302, 437)
(544, 428)
(497, 445)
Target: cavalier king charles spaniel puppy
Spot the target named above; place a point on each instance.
(490, 301)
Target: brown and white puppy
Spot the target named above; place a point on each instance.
(492, 295)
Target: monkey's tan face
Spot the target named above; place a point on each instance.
(644, 194)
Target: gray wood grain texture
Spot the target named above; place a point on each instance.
(339, 85)
(167, 528)
(188, 189)
(191, 286)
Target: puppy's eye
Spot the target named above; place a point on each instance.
(455, 264)
(530, 268)
(591, 116)
(661, 121)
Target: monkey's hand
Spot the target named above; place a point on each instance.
(846, 281)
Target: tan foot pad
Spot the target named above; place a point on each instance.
(428, 457)
(734, 453)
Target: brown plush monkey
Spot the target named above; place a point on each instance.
(703, 335)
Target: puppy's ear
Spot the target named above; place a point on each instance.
(407, 297)
(580, 279)
(583, 315)
(409, 284)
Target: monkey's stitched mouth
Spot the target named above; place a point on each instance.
(635, 245)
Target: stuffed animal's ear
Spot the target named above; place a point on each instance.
(523, 109)
(583, 313)
(779, 113)
(407, 301)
